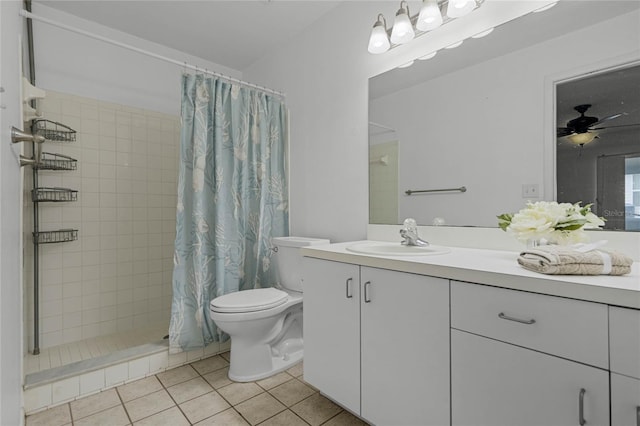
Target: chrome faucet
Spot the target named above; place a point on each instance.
(409, 233)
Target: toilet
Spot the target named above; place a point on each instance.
(265, 325)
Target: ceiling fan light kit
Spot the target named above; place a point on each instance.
(406, 27)
(583, 130)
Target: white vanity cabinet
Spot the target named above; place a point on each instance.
(377, 341)
(624, 331)
(527, 359)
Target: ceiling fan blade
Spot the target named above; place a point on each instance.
(563, 131)
(610, 117)
(613, 127)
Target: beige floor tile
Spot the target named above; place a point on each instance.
(285, 418)
(296, 370)
(235, 393)
(114, 416)
(228, 417)
(188, 390)
(218, 378)
(204, 406)
(273, 381)
(92, 404)
(148, 405)
(345, 418)
(171, 417)
(210, 364)
(259, 408)
(226, 355)
(139, 388)
(292, 392)
(316, 409)
(56, 416)
(177, 375)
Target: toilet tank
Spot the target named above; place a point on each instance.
(289, 260)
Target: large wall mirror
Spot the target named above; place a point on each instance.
(475, 117)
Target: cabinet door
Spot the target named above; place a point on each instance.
(331, 330)
(495, 383)
(625, 401)
(405, 348)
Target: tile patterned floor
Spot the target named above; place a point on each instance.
(200, 393)
(68, 353)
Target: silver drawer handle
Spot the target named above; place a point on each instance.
(581, 419)
(638, 415)
(507, 317)
(348, 284)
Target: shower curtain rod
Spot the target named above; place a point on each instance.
(183, 64)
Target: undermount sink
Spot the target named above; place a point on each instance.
(395, 249)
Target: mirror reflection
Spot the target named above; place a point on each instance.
(474, 117)
(598, 145)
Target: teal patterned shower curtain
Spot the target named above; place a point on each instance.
(232, 198)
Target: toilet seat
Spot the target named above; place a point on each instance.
(254, 300)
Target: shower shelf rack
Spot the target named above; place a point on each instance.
(54, 131)
(50, 161)
(42, 194)
(59, 236)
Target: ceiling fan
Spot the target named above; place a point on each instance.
(584, 123)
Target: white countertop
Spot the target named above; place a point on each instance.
(497, 268)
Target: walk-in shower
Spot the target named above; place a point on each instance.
(111, 287)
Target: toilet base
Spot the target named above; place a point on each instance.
(263, 364)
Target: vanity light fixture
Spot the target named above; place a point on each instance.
(402, 31)
(406, 27)
(430, 16)
(379, 40)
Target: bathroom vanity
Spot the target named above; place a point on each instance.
(469, 337)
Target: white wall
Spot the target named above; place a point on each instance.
(482, 127)
(11, 28)
(324, 73)
(72, 63)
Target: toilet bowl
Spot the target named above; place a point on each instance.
(265, 325)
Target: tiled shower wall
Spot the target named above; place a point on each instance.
(117, 275)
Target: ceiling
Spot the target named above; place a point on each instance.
(234, 34)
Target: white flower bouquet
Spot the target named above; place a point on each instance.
(557, 223)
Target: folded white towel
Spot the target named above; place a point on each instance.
(571, 260)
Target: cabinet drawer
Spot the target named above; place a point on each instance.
(567, 328)
(624, 326)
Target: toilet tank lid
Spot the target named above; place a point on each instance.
(298, 241)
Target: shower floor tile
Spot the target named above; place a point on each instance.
(168, 398)
(69, 353)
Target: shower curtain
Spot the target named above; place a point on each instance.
(232, 198)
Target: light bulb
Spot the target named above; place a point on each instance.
(402, 31)
(458, 8)
(430, 17)
(379, 39)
